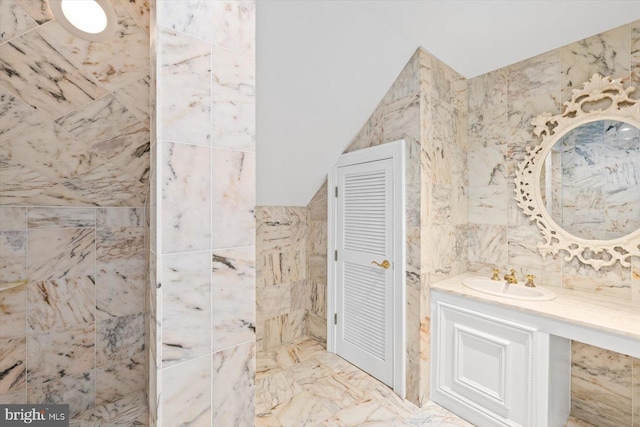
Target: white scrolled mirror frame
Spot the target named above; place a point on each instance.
(550, 128)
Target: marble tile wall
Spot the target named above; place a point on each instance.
(501, 105)
(74, 333)
(74, 164)
(74, 114)
(283, 292)
(201, 290)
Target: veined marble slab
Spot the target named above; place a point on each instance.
(13, 219)
(77, 390)
(61, 253)
(13, 309)
(14, 21)
(187, 401)
(140, 10)
(119, 217)
(116, 62)
(13, 364)
(39, 218)
(194, 20)
(120, 274)
(39, 74)
(13, 256)
(119, 380)
(108, 186)
(233, 291)
(136, 98)
(55, 355)
(234, 25)
(233, 379)
(37, 9)
(100, 121)
(19, 183)
(62, 303)
(186, 307)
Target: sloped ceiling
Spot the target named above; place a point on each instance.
(74, 114)
(323, 66)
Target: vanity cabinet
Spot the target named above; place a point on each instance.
(493, 369)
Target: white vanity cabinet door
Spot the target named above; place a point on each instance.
(485, 367)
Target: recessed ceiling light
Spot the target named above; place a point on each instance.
(93, 20)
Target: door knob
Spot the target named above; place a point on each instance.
(385, 264)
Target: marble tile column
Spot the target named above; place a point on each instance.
(201, 294)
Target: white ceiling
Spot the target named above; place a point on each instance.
(323, 66)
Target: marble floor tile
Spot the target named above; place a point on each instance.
(363, 413)
(272, 391)
(325, 390)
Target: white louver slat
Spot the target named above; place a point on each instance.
(364, 308)
(365, 212)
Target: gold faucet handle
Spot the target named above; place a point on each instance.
(530, 283)
(496, 274)
(511, 277)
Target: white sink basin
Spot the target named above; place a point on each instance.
(502, 289)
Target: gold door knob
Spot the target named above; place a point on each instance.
(385, 264)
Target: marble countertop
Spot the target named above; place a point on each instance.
(592, 310)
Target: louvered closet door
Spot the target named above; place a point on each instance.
(365, 290)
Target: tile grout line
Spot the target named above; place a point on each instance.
(211, 214)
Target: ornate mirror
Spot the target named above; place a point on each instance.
(581, 184)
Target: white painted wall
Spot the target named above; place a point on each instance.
(323, 66)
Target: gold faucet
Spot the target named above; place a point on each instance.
(511, 278)
(496, 274)
(530, 283)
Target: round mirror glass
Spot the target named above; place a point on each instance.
(590, 180)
